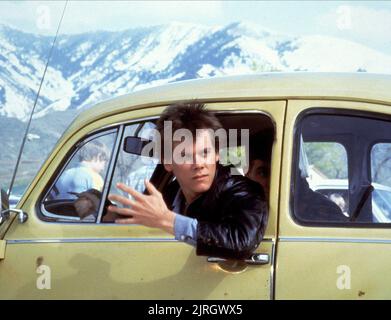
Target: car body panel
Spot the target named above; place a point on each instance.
(127, 270)
(315, 269)
(111, 261)
(308, 257)
(118, 258)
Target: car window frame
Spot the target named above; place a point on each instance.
(120, 127)
(115, 127)
(379, 141)
(47, 216)
(120, 139)
(368, 115)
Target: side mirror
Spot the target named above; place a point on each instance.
(5, 210)
(135, 145)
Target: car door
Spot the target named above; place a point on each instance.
(334, 231)
(57, 255)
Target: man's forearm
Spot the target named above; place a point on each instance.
(185, 229)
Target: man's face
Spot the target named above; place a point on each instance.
(196, 169)
(260, 172)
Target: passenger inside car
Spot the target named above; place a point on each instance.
(77, 192)
(260, 148)
(339, 200)
(313, 206)
(86, 175)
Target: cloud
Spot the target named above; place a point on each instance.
(366, 23)
(360, 23)
(116, 15)
(82, 16)
(32, 16)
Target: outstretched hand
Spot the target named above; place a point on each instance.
(148, 210)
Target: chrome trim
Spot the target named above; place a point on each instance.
(27, 241)
(22, 216)
(271, 276)
(5, 215)
(334, 240)
(256, 259)
(96, 240)
(110, 172)
(59, 217)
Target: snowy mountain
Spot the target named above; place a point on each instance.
(89, 67)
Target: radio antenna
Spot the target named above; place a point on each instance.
(35, 103)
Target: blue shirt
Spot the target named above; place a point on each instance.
(78, 179)
(185, 228)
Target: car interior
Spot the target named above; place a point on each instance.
(257, 123)
(357, 135)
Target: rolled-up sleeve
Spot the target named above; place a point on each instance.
(185, 229)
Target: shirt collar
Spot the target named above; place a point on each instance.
(178, 200)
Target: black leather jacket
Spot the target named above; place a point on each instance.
(232, 215)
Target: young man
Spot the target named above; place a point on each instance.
(220, 214)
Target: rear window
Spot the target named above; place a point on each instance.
(342, 169)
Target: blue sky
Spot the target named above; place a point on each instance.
(367, 22)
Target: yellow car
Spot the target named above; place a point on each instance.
(317, 245)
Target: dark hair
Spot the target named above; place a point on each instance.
(261, 146)
(92, 150)
(191, 116)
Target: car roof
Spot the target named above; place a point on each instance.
(265, 86)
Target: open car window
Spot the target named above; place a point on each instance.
(94, 168)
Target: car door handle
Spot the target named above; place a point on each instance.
(255, 259)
